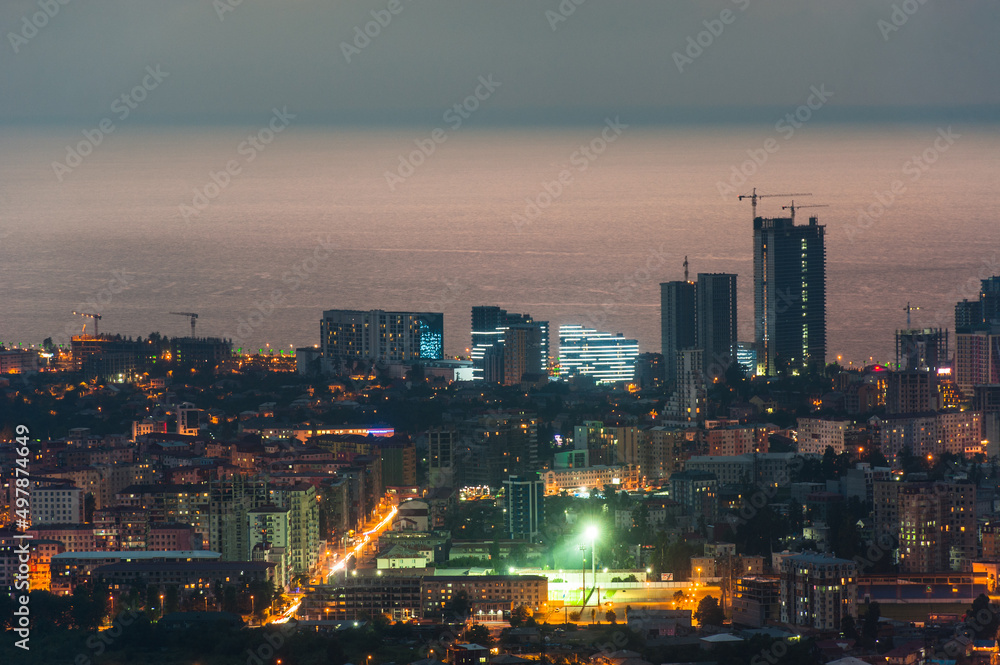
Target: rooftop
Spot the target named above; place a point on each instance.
(204, 555)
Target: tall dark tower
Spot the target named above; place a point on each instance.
(488, 322)
(716, 322)
(989, 296)
(789, 285)
(489, 327)
(678, 330)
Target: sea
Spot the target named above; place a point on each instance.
(259, 227)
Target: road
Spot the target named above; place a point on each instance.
(371, 533)
(363, 540)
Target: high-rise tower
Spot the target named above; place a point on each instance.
(678, 329)
(490, 327)
(702, 316)
(789, 283)
(716, 297)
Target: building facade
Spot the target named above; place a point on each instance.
(815, 435)
(524, 498)
(376, 336)
(789, 295)
(678, 325)
(606, 357)
(817, 590)
(716, 297)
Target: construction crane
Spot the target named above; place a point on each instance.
(908, 309)
(194, 317)
(754, 196)
(794, 207)
(95, 317)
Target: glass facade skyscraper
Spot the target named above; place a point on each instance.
(789, 283)
(529, 353)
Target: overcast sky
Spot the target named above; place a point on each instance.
(608, 55)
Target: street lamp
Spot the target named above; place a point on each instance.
(591, 534)
(251, 609)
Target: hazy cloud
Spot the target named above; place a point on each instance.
(606, 55)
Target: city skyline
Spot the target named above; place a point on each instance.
(428, 332)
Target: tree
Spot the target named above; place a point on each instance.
(459, 605)
(875, 457)
(171, 600)
(88, 607)
(610, 616)
(848, 628)
(709, 613)
(829, 464)
(229, 599)
(982, 618)
(89, 503)
(640, 523)
(478, 634)
(519, 616)
(869, 628)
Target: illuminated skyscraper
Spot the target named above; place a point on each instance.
(605, 356)
(524, 351)
(789, 282)
(489, 334)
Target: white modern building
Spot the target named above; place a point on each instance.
(607, 357)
